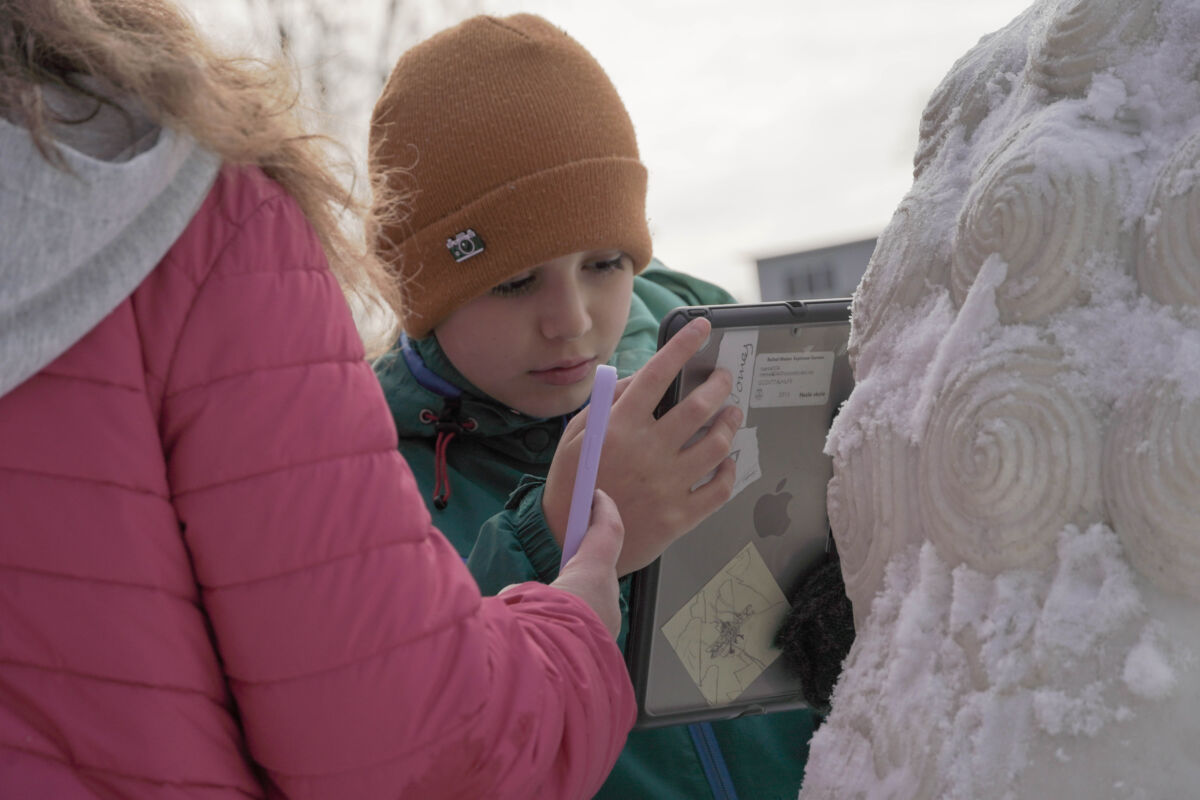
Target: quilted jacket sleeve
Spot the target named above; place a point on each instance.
(516, 545)
(362, 659)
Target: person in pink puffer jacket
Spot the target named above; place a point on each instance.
(217, 579)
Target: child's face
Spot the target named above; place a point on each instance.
(534, 341)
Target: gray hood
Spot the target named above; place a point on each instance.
(74, 245)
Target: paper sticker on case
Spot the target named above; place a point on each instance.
(744, 451)
(792, 379)
(725, 635)
(736, 354)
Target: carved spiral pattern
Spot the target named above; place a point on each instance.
(1079, 42)
(1024, 443)
(901, 272)
(1046, 221)
(1008, 458)
(1152, 487)
(870, 502)
(1168, 266)
(966, 96)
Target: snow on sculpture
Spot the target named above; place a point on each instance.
(1016, 489)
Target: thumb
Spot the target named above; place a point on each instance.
(601, 544)
(592, 573)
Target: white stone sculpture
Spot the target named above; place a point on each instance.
(1016, 490)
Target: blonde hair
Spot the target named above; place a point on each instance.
(245, 110)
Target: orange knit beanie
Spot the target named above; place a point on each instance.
(509, 146)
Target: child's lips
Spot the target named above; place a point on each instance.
(565, 373)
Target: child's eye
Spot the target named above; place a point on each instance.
(609, 264)
(518, 285)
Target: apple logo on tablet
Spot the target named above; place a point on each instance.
(771, 512)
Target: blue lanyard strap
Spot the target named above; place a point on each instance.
(715, 770)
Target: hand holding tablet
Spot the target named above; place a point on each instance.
(650, 464)
(703, 617)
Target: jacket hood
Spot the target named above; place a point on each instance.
(78, 241)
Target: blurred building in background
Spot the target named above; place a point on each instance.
(809, 274)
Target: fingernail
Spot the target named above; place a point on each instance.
(738, 416)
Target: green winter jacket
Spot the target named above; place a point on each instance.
(490, 508)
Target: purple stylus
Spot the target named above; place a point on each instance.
(589, 460)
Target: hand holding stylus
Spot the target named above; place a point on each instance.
(599, 407)
(591, 574)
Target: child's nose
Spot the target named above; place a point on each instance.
(566, 315)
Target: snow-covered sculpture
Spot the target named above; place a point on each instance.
(1016, 490)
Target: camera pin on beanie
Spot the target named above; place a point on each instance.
(464, 245)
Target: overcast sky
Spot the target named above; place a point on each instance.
(768, 126)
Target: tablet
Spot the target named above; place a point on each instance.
(703, 617)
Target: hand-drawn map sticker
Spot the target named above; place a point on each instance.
(725, 634)
(791, 379)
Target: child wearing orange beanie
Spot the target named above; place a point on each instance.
(507, 172)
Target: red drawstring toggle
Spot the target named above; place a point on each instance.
(441, 476)
(447, 428)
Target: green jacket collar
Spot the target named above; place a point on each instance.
(416, 407)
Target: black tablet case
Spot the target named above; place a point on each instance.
(712, 578)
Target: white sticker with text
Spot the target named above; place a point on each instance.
(791, 379)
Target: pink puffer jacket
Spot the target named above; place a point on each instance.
(217, 579)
